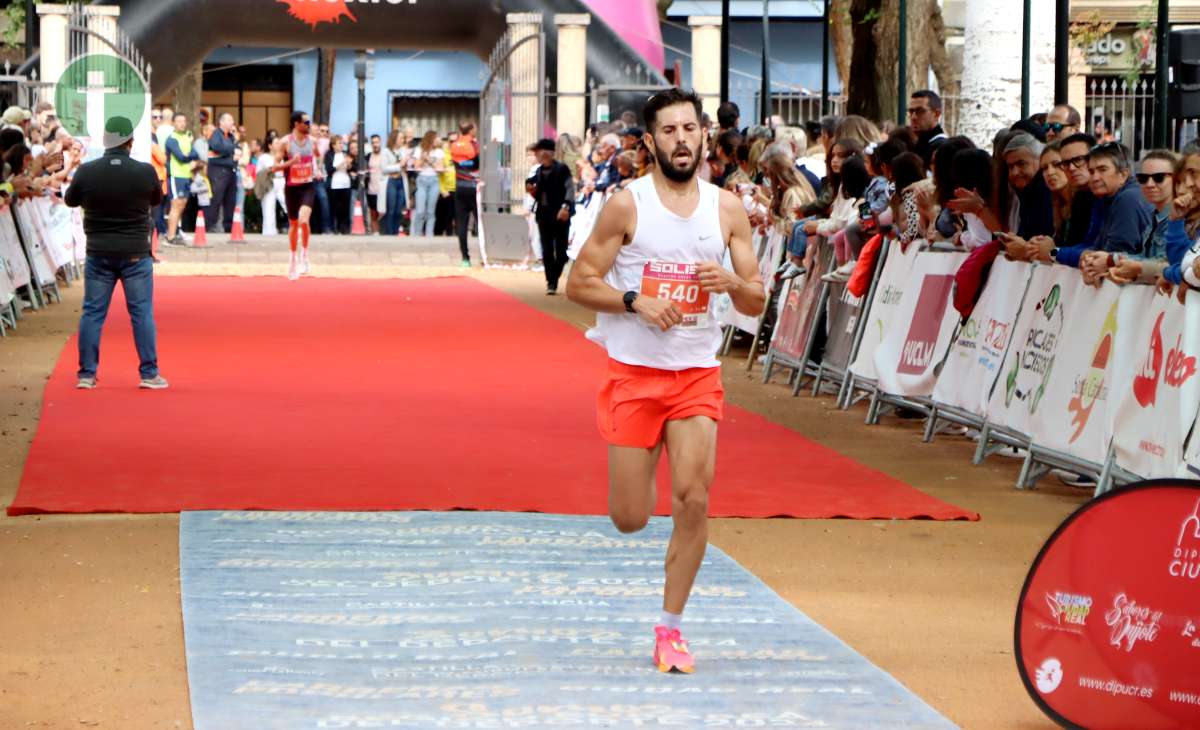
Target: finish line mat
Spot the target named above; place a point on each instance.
(492, 620)
(375, 395)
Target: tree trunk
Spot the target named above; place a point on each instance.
(187, 95)
(991, 81)
(323, 94)
(862, 85)
(842, 37)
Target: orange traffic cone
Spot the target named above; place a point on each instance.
(237, 232)
(358, 226)
(200, 237)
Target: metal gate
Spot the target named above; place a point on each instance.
(512, 116)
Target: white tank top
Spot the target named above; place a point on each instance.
(660, 261)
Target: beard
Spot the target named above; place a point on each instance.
(674, 172)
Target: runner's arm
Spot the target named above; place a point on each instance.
(750, 298)
(585, 284)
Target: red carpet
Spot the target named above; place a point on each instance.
(375, 395)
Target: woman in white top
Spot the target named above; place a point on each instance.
(429, 162)
(266, 161)
(337, 167)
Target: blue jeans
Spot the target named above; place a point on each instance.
(798, 242)
(426, 205)
(395, 206)
(101, 274)
(322, 217)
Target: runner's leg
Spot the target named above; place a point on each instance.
(692, 451)
(631, 488)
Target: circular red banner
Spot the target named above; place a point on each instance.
(1108, 625)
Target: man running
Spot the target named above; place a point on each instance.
(649, 269)
(299, 194)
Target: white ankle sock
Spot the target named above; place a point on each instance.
(670, 620)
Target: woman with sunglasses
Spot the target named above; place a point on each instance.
(1176, 200)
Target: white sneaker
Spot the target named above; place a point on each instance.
(86, 384)
(294, 269)
(158, 382)
(304, 267)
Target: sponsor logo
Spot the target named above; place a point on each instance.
(1180, 366)
(1190, 631)
(1068, 608)
(1049, 676)
(666, 267)
(921, 343)
(1185, 560)
(1131, 623)
(1145, 382)
(1091, 389)
(996, 334)
(313, 12)
(1033, 364)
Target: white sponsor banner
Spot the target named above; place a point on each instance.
(1049, 301)
(769, 247)
(55, 237)
(1156, 401)
(1072, 415)
(971, 369)
(889, 292)
(43, 270)
(582, 224)
(79, 237)
(16, 268)
(924, 324)
(7, 290)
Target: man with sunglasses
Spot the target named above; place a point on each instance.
(1120, 216)
(1062, 122)
(1074, 153)
(925, 118)
(299, 161)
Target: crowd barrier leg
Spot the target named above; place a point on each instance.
(727, 342)
(817, 321)
(1105, 482)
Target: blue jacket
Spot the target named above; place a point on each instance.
(223, 147)
(1178, 245)
(1119, 224)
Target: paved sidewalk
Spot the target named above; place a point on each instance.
(369, 250)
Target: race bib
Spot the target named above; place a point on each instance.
(301, 172)
(678, 283)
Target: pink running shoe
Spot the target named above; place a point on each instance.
(671, 651)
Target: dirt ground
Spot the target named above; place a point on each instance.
(90, 613)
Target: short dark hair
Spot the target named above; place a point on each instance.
(664, 99)
(829, 124)
(1073, 118)
(178, 115)
(1114, 151)
(935, 101)
(972, 169)
(466, 127)
(728, 114)
(1080, 138)
(855, 177)
(545, 144)
(886, 152)
(728, 142)
(10, 137)
(297, 116)
(907, 169)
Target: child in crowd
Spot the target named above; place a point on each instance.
(908, 172)
(973, 177)
(874, 213)
(849, 178)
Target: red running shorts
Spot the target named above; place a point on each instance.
(636, 402)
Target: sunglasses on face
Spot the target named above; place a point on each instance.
(1157, 177)
(916, 111)
(1056, 127)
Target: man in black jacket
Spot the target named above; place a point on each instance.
(117, 193)
(553, 190)
(223, 174)
(925, 118)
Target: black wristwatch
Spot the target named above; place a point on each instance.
(1054, 252)
(629, 297)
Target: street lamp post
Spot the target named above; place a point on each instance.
(825, 61)
(1162, 120)
(902, 66)
(1062, 50)
(724, 51)
(766, 64)
(1026, 32)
